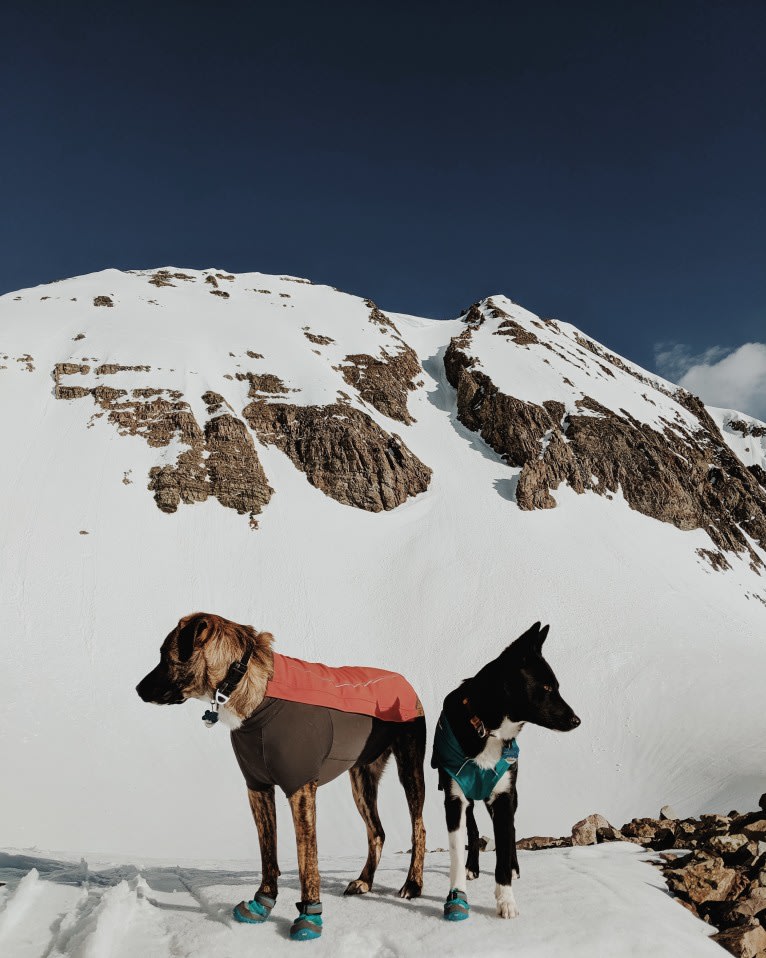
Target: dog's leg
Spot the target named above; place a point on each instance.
(472, 863)
(303, 807)
(505, 850)
(308, 924)
(265, 815)
(258, 910)
(409, 749)
(515, 870)
(364, 785)
(455, 804)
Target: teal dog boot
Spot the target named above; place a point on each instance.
(456, 907)
(254, 912)
(308, 924)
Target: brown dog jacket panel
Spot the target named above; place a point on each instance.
(290, 743)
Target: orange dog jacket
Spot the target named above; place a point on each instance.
(350, 688)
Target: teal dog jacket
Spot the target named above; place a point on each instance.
(476, 782)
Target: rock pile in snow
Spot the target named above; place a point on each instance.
(720, 877)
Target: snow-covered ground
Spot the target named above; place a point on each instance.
(597, 902)
(660, 656)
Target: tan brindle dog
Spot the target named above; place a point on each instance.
(294, 745)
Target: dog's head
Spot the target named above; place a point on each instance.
(195, 657)
(530, 684)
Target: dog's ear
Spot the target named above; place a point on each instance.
(192, 633)
(529, 643)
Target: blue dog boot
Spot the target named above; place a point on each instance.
(456, 907)
(254, 912)
(308, 924)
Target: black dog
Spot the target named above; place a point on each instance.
(476, 754)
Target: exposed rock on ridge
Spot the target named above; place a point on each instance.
(220, 461)
(343, 452)
(690, 479)
(384, 381)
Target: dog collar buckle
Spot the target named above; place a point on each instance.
(211, 715)
(237, 671)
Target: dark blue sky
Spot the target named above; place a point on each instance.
(599, 162)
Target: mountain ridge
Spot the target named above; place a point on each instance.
(355, 537)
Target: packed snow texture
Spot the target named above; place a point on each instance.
(660, 656)
(597, 902)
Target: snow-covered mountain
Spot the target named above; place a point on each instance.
(373, 488)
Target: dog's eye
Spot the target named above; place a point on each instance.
(547, 688)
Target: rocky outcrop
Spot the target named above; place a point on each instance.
(747, 429)
(186, 481)
(109, 369)
(342, 452)
(235, 474)
(263, 384)
(163, 277)
(317, 338)
(693, 481)
(537, 842)
(384, 382)
(220, 461)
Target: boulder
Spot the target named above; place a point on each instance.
(762, 802)
(726, 844)
(585, 832)
(651, 832)
(756, 829)
(535, 842)
(714, 824)
(668, 814)
(607, 833)
(685, 833)
(704, 879)
(744, 941)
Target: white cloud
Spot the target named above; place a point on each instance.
(734, 380)
(674, 360)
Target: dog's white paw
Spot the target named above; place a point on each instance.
(506, 903)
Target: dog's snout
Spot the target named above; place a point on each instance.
(574, 721)
(146, 689)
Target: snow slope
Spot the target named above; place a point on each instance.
(585, 902)
(659, 655)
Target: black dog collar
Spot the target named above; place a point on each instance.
(237, 671)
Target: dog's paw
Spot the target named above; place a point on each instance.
(357, 887)
(470, 875)
(506, 903)
(411, 889)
